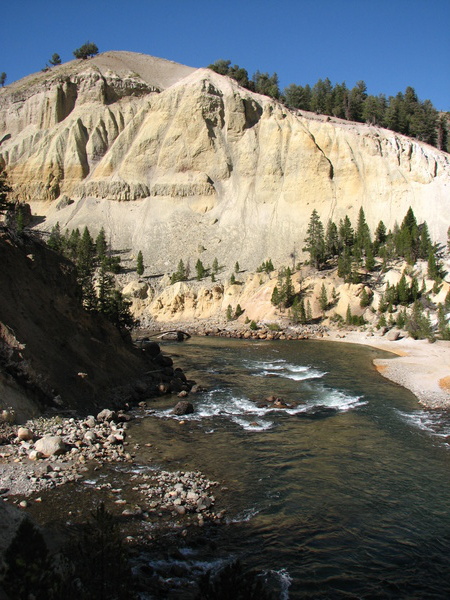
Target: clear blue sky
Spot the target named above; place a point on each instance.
(390, 44)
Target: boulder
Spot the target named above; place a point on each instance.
(24, 434)
(50, 445)
(152, 349)
(107, 415)
(393, 335)
(183, 408)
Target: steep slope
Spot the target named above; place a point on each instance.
(211, 168)
(52, 352)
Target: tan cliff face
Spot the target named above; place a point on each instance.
(166, 157)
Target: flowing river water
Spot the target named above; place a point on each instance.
(344, 494)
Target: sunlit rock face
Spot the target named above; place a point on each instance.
(170, 159)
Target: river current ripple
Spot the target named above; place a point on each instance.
(342, 492)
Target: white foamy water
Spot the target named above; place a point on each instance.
(305, 395)
(281, 368)
(435, 423)
(222, 403)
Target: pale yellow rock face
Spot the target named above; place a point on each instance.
(199, 159)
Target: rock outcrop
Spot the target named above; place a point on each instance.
(198, 158)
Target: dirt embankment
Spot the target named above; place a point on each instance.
(53, 353)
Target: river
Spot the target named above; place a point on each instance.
(344, 493)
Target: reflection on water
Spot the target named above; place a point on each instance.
(343, 491)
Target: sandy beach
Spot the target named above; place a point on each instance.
(420, 366)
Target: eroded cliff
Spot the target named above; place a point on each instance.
(208, 169)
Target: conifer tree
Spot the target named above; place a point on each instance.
(444, 328)
(101, 245)
(238, 312)
(370, 261)
(363, 239)
(414, 292)
(348, 315)
(403, 291)
(425, 244)
(380, 237)
(365, 298)
(200, 270)
(323, 299)
(331, 240)
(308, 312)
(275, 299)
(55, 60)
(288, 289)
(236, 267)
(180, 274)
(315, 241)
(229, 313)
(434, 270)
(346, 233)
(55, 240)
(215, 266)
(140, 264)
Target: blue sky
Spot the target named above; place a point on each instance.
(390, 44)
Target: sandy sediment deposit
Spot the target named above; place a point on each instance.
(420, 366)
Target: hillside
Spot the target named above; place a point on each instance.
(179, 162)
(53, 354)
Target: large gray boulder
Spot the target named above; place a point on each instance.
(50, 445)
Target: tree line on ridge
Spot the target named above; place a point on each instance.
(403, 113)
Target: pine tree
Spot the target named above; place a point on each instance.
(238, 312)
(331, 240)
(298, 313)
(425, 244)
(363, 239)
(275, 299)
(215, 266)
(140, 264)
(200, 270)
(287, 291)
(101, 245)
(380, 237)
(403, 291)
(434, 267)
(55, 60)
(229, 313)
(365, 298)
(370, 261)
(308, 312)
(315, 241)
(407, 239)
(236, 267)
(346, 234)
(414, 292)
(444, 328)
(323, 299)
(55, 240)
(401, 319)
(348, 315)
(180, 274)
(85, 254)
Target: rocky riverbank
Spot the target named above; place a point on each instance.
(236, 330)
